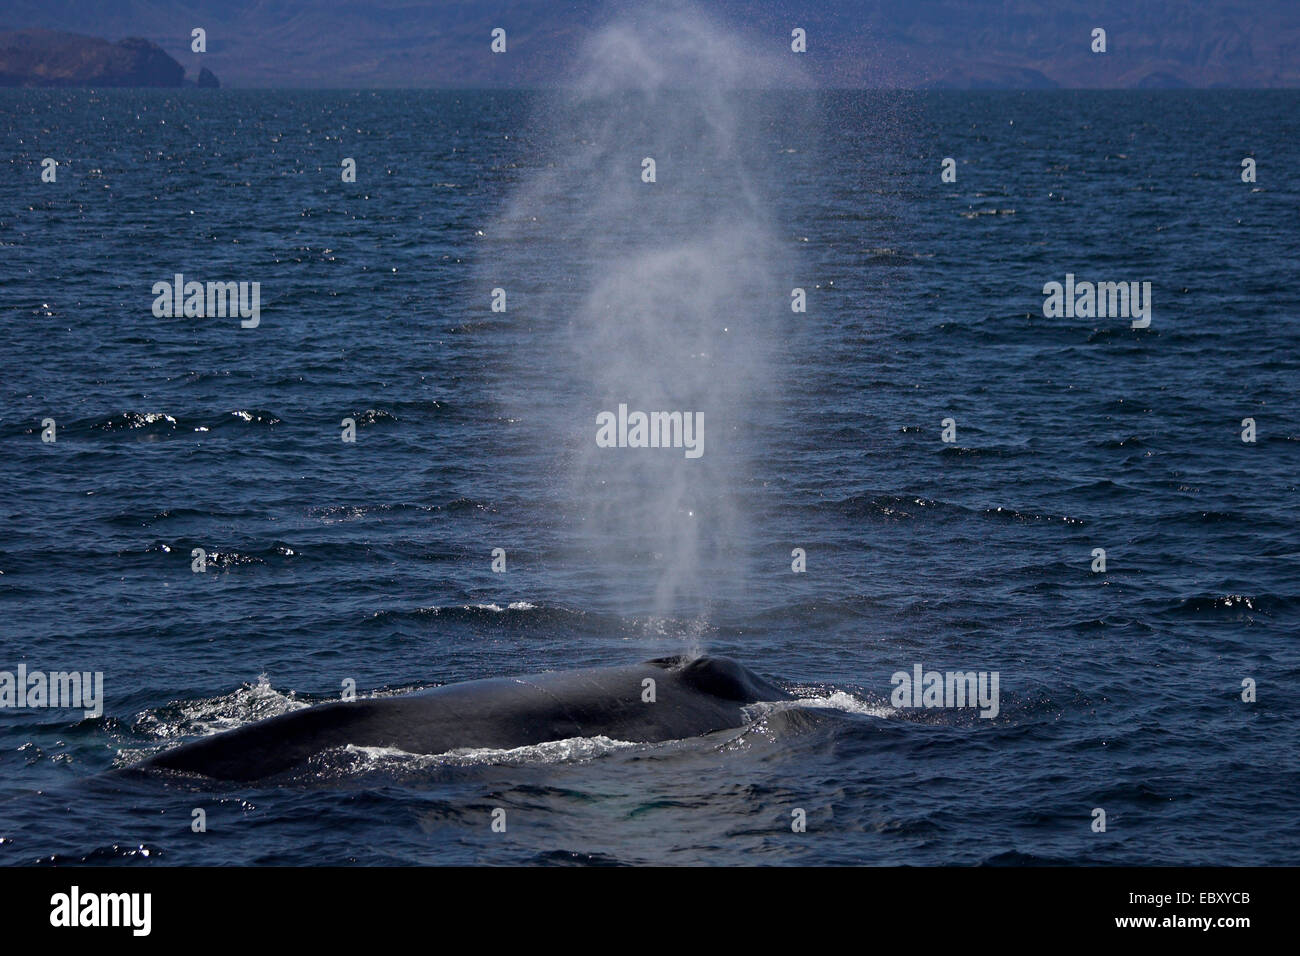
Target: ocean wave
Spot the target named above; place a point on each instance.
(251, 417)
(332, 514)
(135, 420)
(167, 514)
(232, 559)
(1026, 516)
(886, 254)
(1235, 604)
(961, 451)
(895, 506)
(220, 559)
(477, 611)
(156, 423)
(113, 853)
(888, 505)
(373, 416)
(213, 715)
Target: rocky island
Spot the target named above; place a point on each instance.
(54, 58)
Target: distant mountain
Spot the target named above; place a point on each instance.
(851, 43)
(48, 58)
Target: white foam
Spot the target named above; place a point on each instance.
(838, 700)
(569, 750)
(248, 704)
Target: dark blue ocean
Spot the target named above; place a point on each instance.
(371, 561)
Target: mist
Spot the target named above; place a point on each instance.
(662, 296)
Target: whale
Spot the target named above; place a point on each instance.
(670, 698)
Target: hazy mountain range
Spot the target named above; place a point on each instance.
(882, 43)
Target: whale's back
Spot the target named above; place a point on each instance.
(664, 699)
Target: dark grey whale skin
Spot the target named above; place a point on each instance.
(692, 697)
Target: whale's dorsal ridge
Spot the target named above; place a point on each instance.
(722, 677)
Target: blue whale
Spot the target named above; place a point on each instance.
(691, 697)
